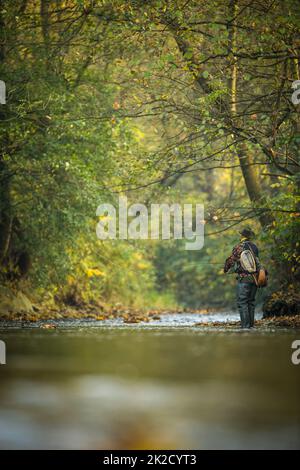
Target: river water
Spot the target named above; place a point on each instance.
(165, 384)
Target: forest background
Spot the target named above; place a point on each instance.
(161, 101)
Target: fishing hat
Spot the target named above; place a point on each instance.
(247, 232)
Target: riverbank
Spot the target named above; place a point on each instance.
(16, 308)
(206, 318)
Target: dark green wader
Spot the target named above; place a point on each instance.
(246, 292)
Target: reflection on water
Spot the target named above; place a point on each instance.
(158, 388)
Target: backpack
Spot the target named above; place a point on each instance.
(250, 263)
(261, 279)
(248, 260)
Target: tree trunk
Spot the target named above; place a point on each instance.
(246, 162)
(245, 159)
(227, 112)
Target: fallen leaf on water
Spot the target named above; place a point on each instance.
(48, 326)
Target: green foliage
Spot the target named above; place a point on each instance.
(108, 97)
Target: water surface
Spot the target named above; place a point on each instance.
(167, 384)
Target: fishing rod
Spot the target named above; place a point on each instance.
(200, 262)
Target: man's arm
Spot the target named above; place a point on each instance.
(233, 258)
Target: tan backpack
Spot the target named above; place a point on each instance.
(249, 262)
(261, 279)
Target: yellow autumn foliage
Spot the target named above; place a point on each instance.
(94, 272)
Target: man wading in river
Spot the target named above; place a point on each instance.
(247, 285)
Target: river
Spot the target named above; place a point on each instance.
(166, 384)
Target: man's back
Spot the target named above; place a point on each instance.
(234, 258)
(253, 247)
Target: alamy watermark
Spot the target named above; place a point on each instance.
(296, 94)
(165, 221)
(2, 92)
(2, 352)
(296, 354)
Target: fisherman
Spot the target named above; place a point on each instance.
(247, 285)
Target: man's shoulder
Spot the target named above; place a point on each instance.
(252, 244)
(253, 247)
(243, 245)
(238, 248)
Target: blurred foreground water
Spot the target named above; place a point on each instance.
(167, 384)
